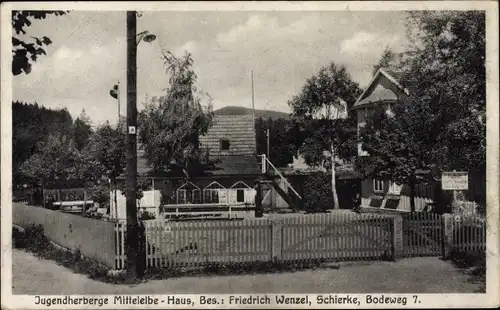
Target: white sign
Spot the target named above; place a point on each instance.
(451, 181)
(131, 130)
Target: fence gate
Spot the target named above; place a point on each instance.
(423, 234)
(336, 237)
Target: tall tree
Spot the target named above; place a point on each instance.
(317, 110)
(170, 126)
(448, 75)
(82, 130)
(441, 125)
(108, 146)
(26, 50)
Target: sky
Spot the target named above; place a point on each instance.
(88, 55)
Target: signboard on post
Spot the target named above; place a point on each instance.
(455, 181)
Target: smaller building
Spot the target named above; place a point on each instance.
(385, 90)
(231, 145)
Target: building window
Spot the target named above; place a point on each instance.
(224, 145)
(240, 195)
(188, 193)
(378, 186)
(215, 193)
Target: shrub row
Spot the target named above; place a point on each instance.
(233, 268)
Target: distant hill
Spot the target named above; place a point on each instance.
(265, 114)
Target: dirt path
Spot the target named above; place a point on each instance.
(419, 275)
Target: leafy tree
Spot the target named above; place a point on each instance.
(82, 130)
(389, 60)
(440, 125)
(26, 50)
(324, 136)
(395, 147)
(448, 76)
(87, 168)
(170, 126)
(54, 162)
(58, 160)
(280, 141)
(31, 125)
(108, 146)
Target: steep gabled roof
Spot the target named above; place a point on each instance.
(241, 157)
(372, 93)
(238, 129)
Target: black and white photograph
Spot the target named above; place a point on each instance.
(250, 155)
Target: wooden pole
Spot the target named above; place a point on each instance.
(132, 232)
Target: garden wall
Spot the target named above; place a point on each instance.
(94, 238)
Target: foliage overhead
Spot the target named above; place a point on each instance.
(170, 126)
(27, 49)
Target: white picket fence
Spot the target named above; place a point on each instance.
(304, 237)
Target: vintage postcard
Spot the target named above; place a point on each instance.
(168, 155)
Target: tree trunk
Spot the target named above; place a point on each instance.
(334, 187)
(412, 194)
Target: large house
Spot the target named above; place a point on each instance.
(385, 89)
(231, 145)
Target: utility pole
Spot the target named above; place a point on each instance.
(132, 243)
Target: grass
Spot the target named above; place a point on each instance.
(475, 265)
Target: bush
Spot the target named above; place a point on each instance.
(232, 268)
(318, 193)
(100, 194)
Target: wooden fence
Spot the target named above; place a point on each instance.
(294, 238)
(336, 236)
(423, 234)
(467, 234)
(119, 245)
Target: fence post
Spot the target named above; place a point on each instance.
(276, 237)
(447, 222)
(397, 237)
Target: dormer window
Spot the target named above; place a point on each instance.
(224, 144)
